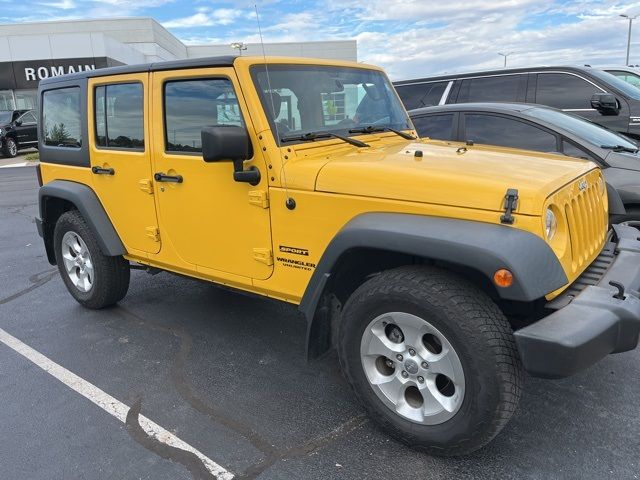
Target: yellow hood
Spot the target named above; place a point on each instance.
(475, 177)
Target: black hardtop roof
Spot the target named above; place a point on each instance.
(480, 106)
(501, 71)
(221, 61)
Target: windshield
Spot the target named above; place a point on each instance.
(620, 85)
(5, 117)
(588, 131)
(301, 99)
(629, 77)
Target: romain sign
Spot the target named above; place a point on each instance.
(27, 74)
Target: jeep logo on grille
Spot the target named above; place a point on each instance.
(582, 185)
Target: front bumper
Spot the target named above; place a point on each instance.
(597, 321)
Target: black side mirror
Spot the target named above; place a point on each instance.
(18, 123)
(229, 142)
(605, 103)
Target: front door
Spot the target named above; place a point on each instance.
(120, 148)
(26, 129)
(212, 222)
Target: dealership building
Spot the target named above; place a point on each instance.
(30, 52)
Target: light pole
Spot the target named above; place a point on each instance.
(631, 19)
(238, 46)
(505, 55)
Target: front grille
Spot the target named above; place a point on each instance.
(587, 228)
(591, 276)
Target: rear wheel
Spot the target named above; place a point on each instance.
(10, 148)
(432, 359)
(94, 279)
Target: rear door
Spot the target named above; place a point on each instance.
(119, 146)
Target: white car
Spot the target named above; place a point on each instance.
(628, 74)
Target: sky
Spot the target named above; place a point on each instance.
(409, 38)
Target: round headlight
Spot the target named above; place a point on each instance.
(550, 224)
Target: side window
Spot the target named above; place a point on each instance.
(507, 132)
(119, 116)
(421, 95)
(61, 117)
(564, 91)
(502, 88)
(438, 127)
(632, 78)
(190, 105)
(572, 150)
(28, 118)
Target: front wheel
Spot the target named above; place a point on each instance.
(432, 359)
(94, 279)
(10, 148)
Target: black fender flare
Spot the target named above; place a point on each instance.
(89, 206)
(481, 246)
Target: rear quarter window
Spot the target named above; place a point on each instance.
(421, 94)
(438, 127)
(61, 117)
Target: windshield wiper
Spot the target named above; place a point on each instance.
(374, 129)
(311, 136)
(619, 148)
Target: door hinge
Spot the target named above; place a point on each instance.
(259, 198)
(146, 185)
(153, 233)
(263, 255)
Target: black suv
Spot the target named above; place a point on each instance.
(585, 91)
(18, 129)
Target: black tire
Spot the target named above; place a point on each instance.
(10, 148)
(476, 329)
(111, 274)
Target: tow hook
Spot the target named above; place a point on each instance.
(620, 287)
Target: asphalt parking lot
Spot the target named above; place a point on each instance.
(226, 373)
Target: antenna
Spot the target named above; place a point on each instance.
(290, 202)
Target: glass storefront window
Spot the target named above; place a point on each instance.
(26, 99)
(6, 100)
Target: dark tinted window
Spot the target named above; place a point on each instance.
(503, 88)
(119, 116)
(561, 90)
(572, 150)
(507, 132)
(421, 95)
(61, 117)
(190, 105)
(439, 127)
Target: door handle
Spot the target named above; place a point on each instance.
(161, 177)
(103, 171)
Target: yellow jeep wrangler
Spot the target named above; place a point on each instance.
(440, 273)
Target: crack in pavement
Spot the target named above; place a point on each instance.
(37, 280)
(184, 389)
(190, 460)
(307, 448)
(272, 453)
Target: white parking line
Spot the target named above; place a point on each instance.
(21, 164)
(108, 403)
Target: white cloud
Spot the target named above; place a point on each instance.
(206, 18)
